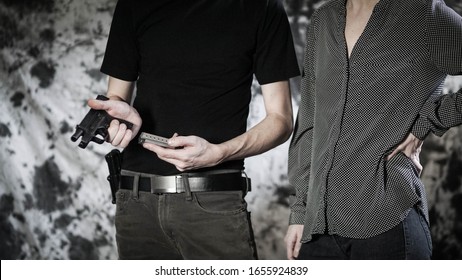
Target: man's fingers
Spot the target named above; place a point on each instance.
(112, 130)
(119, 136)
(113, 108)
(181, 141)
(127, 138)
(97, 104)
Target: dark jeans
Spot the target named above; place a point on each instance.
(410, 239)
(206, 225)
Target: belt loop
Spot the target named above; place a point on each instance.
(187, 189)
(136, 179)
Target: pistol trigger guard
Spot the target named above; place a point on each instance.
(98, 140)
(104, 135)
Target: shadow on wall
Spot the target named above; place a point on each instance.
(54, 197)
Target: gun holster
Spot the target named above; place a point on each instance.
(114, 162)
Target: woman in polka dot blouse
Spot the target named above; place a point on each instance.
(371, 93)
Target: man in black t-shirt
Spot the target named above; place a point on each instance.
(193, 63)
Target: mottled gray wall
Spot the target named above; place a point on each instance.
(54, 198)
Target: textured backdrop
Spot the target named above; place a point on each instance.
(54, 198)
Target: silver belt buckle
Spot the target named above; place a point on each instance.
(164, 184)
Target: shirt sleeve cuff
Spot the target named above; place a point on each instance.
(421, 128)
(297, 217)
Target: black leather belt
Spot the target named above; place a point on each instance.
(176, 184)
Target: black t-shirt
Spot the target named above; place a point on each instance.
(194, 63)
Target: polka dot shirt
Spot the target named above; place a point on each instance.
(354, 111)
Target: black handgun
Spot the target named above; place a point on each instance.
(95, 124)
(114, 163)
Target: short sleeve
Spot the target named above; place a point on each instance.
(121, 58)
(275, 58)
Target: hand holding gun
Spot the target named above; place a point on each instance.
(95, 124)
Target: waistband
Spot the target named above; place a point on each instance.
(231, 180)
